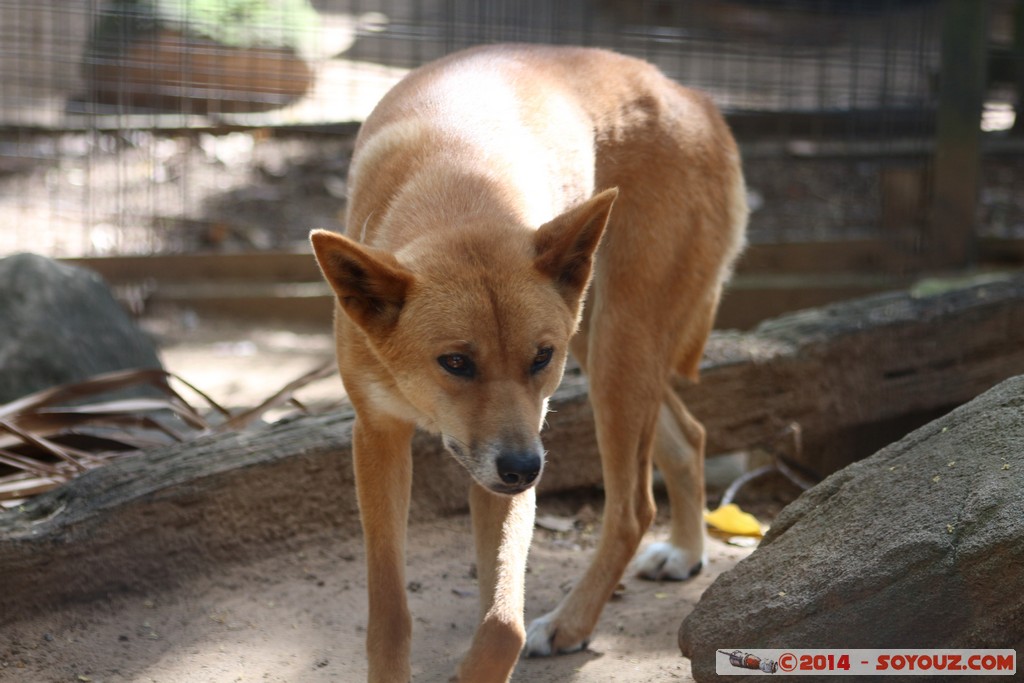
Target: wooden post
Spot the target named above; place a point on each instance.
(951, 238)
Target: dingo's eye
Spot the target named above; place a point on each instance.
(541, 360)
(457, 364)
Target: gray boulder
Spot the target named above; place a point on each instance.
(58, 324)
(919, 546)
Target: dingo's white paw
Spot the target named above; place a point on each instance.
(664, 561)
(541, 635)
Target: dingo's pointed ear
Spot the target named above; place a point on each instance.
(565, 246)
(370, 284)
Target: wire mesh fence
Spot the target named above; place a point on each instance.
(148, 126)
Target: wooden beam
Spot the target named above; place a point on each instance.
(748, 300)
(1001, 251)
(889, 256)
(950, 238)
(752, 298)
(286, 287)
(258, 266)
(879, 256)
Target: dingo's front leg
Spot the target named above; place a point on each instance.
(503, 528)
(626, 408)
(383, 466)
(628, 511)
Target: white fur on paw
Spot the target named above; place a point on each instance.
(538, 637)
(540, 634)
(664, 561)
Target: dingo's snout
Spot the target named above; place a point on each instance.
(518, 470)
(500, 467)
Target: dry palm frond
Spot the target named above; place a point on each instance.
(51, 436)
(280, 397)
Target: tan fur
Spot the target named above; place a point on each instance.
(480, 189)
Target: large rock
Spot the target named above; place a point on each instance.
(61, 324)
(919, 546)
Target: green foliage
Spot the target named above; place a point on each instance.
(289, 24)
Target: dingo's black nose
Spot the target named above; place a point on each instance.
(518, 469)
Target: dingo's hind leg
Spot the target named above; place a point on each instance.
(679, 455)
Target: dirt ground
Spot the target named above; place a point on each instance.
(301, 616)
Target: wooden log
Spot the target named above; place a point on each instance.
(839, 371)
(859, 374)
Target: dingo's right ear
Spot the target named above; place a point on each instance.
(370, 284)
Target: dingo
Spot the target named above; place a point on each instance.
(480, 189)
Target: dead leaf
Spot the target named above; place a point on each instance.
(53, 435)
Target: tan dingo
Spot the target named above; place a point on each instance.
(480, 189)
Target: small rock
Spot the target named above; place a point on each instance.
(555, 523)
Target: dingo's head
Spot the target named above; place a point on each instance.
(469, 333)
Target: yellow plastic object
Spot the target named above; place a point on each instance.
(730, 519)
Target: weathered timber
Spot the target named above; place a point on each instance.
(859, 374)
(841, 371)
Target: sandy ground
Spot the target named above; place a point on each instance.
(301, 616)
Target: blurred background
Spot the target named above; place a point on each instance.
(184, 148)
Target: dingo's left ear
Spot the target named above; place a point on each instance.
(565, 246)
(370, 284)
